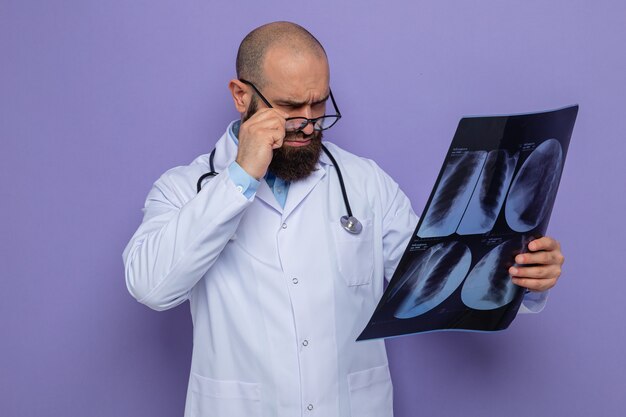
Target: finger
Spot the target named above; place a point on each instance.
(281, 113)
(260, 115)
(544, 243)
(278, 141)
(265, 116)
(272, 128)
(534, 284)
(536, 272)
(541, 258)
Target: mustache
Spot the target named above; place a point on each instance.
(301, 136)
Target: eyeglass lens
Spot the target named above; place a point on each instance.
(321, 123)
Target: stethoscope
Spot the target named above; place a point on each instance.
(350, 223)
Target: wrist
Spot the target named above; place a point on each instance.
(250, 170)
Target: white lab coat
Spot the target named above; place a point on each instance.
(277, 296)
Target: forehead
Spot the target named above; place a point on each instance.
(291, 73)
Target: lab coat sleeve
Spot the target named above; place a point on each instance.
(181, 236)
(534, 302)
(398, 222)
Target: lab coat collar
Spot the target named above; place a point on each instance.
(298, 190)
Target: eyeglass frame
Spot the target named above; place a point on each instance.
(304, 125)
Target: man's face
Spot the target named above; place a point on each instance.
(298, 85)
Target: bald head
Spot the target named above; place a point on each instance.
(285, 35)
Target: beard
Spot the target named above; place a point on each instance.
(296, 163)
(292, 163)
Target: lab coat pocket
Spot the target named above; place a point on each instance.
(213, 398)
(371, 394)
(354, 253)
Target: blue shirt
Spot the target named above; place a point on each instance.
(249, 184)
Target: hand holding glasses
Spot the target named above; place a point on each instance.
(296, 124)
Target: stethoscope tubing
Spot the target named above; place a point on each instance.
(212, 173)
(350, 223)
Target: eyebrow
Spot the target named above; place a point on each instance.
(295, 103)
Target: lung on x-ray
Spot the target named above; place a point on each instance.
(532, 194)
(494, 194)
(488, 286)
(455, 189)
(432, 278)
(489, 194)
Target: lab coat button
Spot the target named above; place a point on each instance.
(295, 280)
(240, 188)
(305, 342)
(309, 407)
(284, 226)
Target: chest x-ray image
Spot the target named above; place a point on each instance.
(432, 278)
(534, 189)
(494, 194)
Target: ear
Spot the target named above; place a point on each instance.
(241, 95)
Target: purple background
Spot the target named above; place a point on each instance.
(98, 98)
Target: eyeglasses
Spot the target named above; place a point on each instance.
(296, 124)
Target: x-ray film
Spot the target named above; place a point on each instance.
(494, 194)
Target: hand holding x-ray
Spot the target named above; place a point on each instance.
(540, 268)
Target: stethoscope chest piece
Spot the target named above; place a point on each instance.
(351, 224)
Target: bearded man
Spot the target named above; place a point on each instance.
(278, 290)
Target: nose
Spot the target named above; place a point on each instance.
(308, 129)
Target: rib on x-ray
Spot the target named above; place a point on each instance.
(454, 191)
(486, 202)
(534, 188)
(441, 272)
(488, 285)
